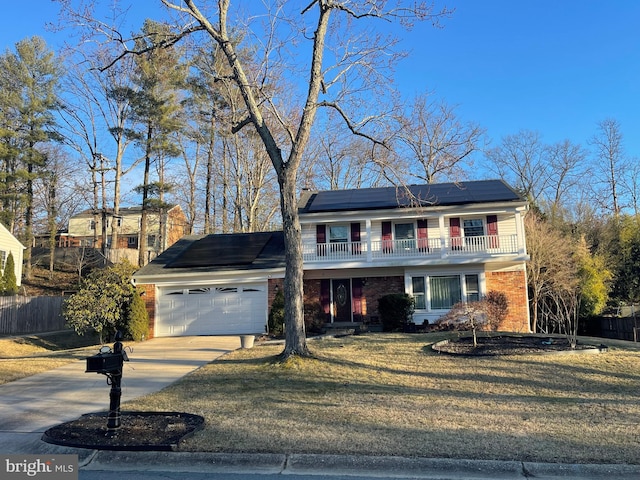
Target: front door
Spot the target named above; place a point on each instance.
(341, 296)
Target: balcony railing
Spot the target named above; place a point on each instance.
(487, 245)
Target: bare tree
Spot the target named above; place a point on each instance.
(550, 269)
(438, 144)
(566, 176)
(336, 159)
(630, 184)
(522, 161)
(610, 164)
(347, 63)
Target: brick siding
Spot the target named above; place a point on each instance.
(514, 286)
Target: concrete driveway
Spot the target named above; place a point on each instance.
(31, 405)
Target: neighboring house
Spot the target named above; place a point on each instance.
(10, 244)
(163, 230)
(441, 243)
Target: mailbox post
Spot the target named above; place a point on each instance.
(110, 363)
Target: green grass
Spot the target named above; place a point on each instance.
(390, 394)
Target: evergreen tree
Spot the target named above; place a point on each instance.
(9, 280)
(28, 80)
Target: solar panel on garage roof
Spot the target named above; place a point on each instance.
(219, 250)
(422, 195)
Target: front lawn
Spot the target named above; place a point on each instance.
(27, 355)
(390, 394)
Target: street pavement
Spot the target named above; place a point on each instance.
(31, 405)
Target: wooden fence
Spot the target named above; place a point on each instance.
(25, 315)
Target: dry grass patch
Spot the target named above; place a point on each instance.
(389, 394)
(28, 355)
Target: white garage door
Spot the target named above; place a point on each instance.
(215, 310)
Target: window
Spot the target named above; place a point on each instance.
(418, 292)
(472, 288)
(338, 234)
(339, 237)
(405, 235)
(92, 224)
(473, 228)
(445, 291)
(3, 260)
(151, 241)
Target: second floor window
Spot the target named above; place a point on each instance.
(338, 234)
(404, 235)
(473, 227)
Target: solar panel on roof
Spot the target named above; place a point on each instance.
(222, 250)
(415, 195)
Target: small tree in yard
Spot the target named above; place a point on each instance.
(487, 313)
(9, 283)
(103, 301)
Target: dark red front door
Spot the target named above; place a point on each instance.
(341, 299)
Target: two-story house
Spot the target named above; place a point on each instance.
(441, 243)
(163, 228)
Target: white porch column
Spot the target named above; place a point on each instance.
(368, 229)
(443, 232)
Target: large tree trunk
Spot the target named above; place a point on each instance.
(296, 343)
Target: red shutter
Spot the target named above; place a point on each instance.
(321, 240)
(325, 298)
(355, 239)
(356, 298)
(423, 240)
(492, 231)
(387, 238)
(455, 233)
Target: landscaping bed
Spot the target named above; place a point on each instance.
(512, 345)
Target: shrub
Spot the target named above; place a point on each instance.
(396, 310)
(276, 314)
(137, 319)
(9, 281)
(314, 317)
(497, 306)
(102, 302)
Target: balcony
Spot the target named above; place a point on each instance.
(434, 248)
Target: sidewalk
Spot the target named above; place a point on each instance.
(30, 406)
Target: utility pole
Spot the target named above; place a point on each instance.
(102, 169)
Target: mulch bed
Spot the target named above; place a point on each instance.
(510, 345)
(158, 431)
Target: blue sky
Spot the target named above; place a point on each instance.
(557, 67)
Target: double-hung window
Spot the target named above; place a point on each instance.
(419, 294)
(339, 237)
(405, 235)
(474, 234)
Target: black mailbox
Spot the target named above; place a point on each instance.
(106, 362)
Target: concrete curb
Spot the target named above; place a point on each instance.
(194, 462)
